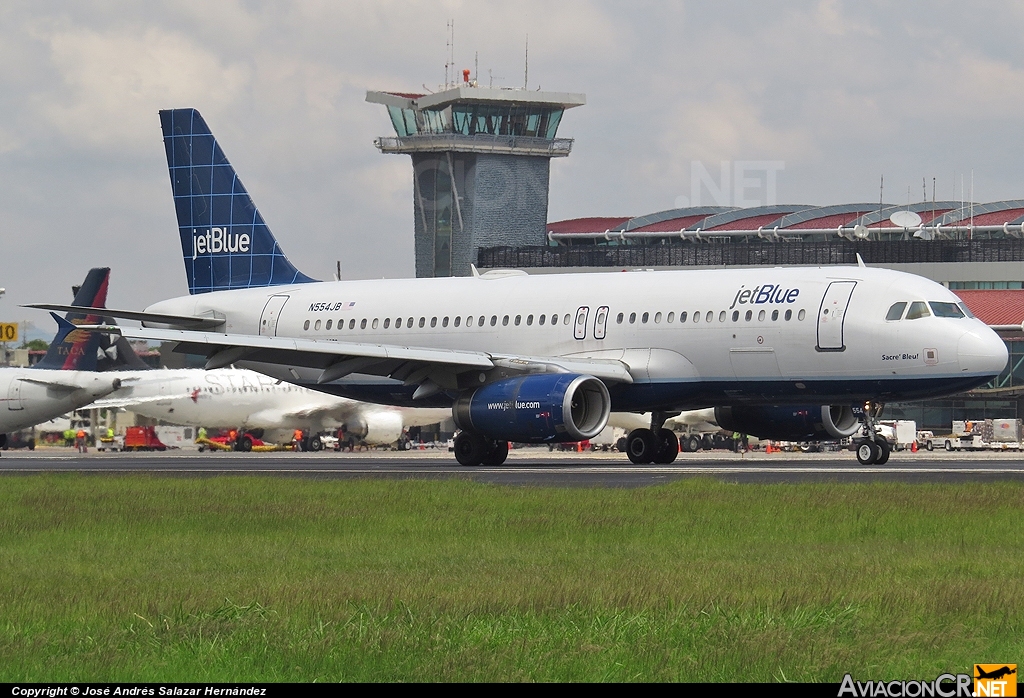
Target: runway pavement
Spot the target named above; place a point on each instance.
(532, 466)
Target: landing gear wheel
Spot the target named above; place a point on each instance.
(642, 446)
(949, 446)
(315, 444)
(497, 453)
(883, 450)
(245, 443)
(668, 447)
(691, 443)
(470, 449)
(867, 452)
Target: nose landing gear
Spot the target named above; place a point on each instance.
(872, 448)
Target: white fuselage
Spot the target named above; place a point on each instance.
(31, 396)
(691, 339)
(238, 398)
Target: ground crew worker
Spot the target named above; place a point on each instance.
(297, 439)
(69, 437)
(80, 441)
(201, 434)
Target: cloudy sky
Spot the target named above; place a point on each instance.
(836, 93)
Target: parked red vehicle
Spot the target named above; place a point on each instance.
(142, 439)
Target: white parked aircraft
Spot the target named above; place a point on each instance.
(782, 353)
(230, 398)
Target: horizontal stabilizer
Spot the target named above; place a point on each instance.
(191, 322)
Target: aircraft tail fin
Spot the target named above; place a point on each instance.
(81, 350)
(224, 240)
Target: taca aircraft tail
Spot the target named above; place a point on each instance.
(224, 241)
(81, 350)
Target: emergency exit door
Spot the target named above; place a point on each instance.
(832, 315)
(14, 395)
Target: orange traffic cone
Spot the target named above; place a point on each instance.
(913, 446)
(768, 448)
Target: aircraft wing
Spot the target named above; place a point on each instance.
(58, 384)
(431, 369)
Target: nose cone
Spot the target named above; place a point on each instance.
(981, 351)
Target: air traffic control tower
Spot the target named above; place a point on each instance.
(481, 161)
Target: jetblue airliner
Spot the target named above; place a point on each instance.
(785, 353)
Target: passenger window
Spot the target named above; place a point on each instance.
(789, 315)
(317, 325)
(328, 326)
(374, 323)
(735, 315)
(721, 316)
(362, 324)
(540, 320)
(749, 315)
(709, 316)
(760, 316)
(423, 321)
(433, 322)
(519, 318)
(801, 315)
(682, 316)
(409, 323)
(387, 322)
(494, 320)
(696, 316)
(775, 315)
(481, 321)
(458, 320)
(918, 309)
(645, 317)
(305, 325)
(896, 311)
(618, 319)
(398, 323)
(670, 318)
(504, 321)
(444, 321)
(946, 309)
(566, 319)
(632, 318)
(529, 320)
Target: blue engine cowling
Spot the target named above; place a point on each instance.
(791, 422)
(538, 408)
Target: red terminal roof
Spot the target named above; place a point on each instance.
(672, 224)
(995, 307)
(587, 225)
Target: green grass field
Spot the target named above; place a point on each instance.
(272, 579)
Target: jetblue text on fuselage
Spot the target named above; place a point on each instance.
(218, 240)
(766, 293)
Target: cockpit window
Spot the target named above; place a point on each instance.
(917, 310)
(945, 309)
(967, 311)
(896, 311)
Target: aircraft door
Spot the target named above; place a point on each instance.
(14, 395)
(601, 322)
(832, 314)
(271, 314)
(580, 328)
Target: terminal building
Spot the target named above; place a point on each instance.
(481, 158)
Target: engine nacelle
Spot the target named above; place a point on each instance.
(790, 423)
(538, 408)
(377, 427)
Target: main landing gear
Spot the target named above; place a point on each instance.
(872, 448)
(473, 449)
(655, 445)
